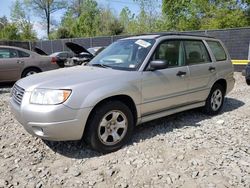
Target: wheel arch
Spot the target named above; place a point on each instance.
(223, 83)
(30, 67)
(125, 99)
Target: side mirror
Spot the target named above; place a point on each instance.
(158, 64)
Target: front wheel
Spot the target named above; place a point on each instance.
(110, 127)
(215, 100)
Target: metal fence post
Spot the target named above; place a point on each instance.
(91, 42)
(249, 51)
(51, 47)
(29, 45)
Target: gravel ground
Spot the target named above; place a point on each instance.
(188, 149)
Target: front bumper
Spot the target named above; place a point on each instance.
(50, 122)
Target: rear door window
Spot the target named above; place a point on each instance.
(23, 54)
(218, 51)
(196, 52)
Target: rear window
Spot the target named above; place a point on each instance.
(218, 51)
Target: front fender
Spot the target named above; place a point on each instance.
(105, 92)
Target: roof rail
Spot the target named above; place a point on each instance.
(185, 34)
(160, 34)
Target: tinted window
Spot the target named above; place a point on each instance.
(23, 54)
(217, 50)
(196, 52)
(170, 51)
(8, 53)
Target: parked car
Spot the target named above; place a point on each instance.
(82, 55)
(59, 57)
(62, 57)
(16, 63)
(246, 73)
(134, 80)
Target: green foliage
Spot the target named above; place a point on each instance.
(21, 20)
(10, 32)
(201, 14)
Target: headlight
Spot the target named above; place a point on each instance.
(49, 96)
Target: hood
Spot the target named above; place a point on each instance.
(39, 51)
(67, 78)
(76, 48)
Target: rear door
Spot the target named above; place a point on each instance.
(165, 89)
(10, 64)
(202, 70)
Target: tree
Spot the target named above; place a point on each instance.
(10, 32)
(86, 24)
(108, 24)
(63, 33)
(45, 8)
(22, 21)
(202, 14)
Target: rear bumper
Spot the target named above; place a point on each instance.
(50, 122)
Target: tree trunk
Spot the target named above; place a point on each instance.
(48, 19)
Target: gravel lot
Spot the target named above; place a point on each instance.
(188, 149)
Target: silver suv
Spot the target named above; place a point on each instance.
(133, 81)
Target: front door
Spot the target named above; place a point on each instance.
(165, 89)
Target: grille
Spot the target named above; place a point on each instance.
(17, 94)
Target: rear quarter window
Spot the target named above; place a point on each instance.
(218, 50)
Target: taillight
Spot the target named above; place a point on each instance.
(53, 60)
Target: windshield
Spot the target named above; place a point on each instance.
(124, 54)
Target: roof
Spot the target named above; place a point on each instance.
(157, 35)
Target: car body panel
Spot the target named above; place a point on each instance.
(170, 89)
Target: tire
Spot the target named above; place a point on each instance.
(215, 100)
(248, 82)
(102, 132)
(30, 71)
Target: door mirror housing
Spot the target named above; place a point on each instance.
(158, 64)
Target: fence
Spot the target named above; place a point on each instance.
(237, 41)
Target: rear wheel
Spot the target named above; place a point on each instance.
(30, 71)
(215, 100)
(110, 127)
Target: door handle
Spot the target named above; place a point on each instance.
(181, 74)
(19, 62)
(211, 69)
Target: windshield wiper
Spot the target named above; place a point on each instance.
(101, 65)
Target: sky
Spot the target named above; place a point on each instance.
(115, 5)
